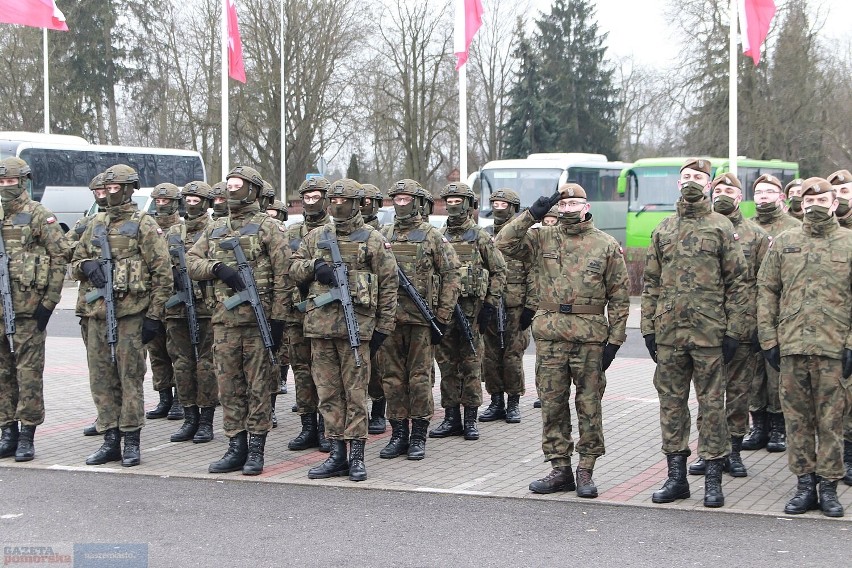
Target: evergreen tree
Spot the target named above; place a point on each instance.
(353, 171)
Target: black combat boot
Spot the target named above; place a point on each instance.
(496, 410)
(676, 486)
(847, 461)
(357, 468)
(324, 443)
(378, 424)
(163, 407)
(698, 467)
(188, 429)
(254, 461)
(109, 451)
(559, 479)
(91, 429)
(336, 464)
(9, 440)
(470, 430)
(734, 461)
(777, 433)
(282, 385)
(537, 403)
(828, 501)
(713, 496)
(132, 455)
(204, 433)
(451, 425)
(26, 449)
(274, 416)
(308, 437)
(758, 436)
(176, 410)
(513, 409)
(235, 458)
(585, 485)
(417, 443)
(805, 498)
(398, 443)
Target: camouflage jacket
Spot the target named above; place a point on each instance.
(519, 282)
(72, 237)
(430, 262)
(263, 243)
(37, 253)
(804, 290)
(846, 221)
(374, 223)
(186, 234)
(696, 280)
(142, 271)
(294, 234)
(373, 280)
(580, 273)
(754, 242)
(776, 222)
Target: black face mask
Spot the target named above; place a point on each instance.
(221, 209)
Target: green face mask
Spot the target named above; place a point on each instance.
(502, 215)
(724, 204)
(796, 204)
(842, 207)
(115, 199)
(570, 218)
(220, 209)
(456, 210)
(169, 209)
(817, 214)
(343, 211)
(405, 211)
(692, 191)
(195, 211)
(11, 192)
(766, 207)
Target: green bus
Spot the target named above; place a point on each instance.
(651, 188)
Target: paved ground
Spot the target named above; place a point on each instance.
(501, 463)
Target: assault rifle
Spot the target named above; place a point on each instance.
(464, 325)
(418, 300)
(6, 293)
(101, 240)
(501, 322)
(341, 293)
(185, 295)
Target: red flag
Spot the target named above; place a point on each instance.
(34, 13)
(755, 16)
(467, 23)
(236, 70)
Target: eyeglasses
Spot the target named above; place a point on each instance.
(766, 192)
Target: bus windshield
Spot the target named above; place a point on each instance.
(528, 183)
(654, 187)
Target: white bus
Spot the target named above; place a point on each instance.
(542, 174)
(62, 167)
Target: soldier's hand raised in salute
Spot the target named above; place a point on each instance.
(543, 204)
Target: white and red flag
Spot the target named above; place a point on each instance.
(236, 70)
(467, 23)
(755, 16)
(34, 13)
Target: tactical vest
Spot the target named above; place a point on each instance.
(515, 293)
(130, 273)
(177, 237)
(29, 263)
(363, 284)
(253, 248)
(411, 256)
(474, 275)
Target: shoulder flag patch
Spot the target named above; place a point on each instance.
(50, 220)
(736, 237)
(388, 245)
(159, 231)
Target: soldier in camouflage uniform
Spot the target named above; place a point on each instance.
(166, 199)
(278, 211)
(142, 282)
(407, 358)
(196, 383)
(694, 312)
(767, 420)
(266, 197)
(483, 279)
(805, 328)
(242, 362)
(36, 252)
(793, 191)
(314, 204)
(550, 219)
(581, 275)
(503, 368)
(727, 195)
(372, 272)
(219, 192)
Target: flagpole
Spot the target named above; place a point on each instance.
(224, 57)
(463, 123)
(283, 117)
(46, 85)
(732, 90)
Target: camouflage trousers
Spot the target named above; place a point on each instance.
(307, 399)
(342, 387)
(814, 398)
(117, 387)
(245, 385)
(503, 369)
(763, 392)
(162, 367)
(740, 373)
(461, 370)
(195, 380)
(375, 387)
(21, 384)
(558, 364)
(703, 367)
(406, 361)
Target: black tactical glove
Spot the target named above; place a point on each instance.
(323, 273)
(651, 345)
(93, 272)
(526, 318)
(755, 343)
(773, 357)
(277, 330)
(438, 337)
(486, 314)
(376, 342)
(609, 351)
(729, 348)
(151, 328)
(229, 276)
(42, 316)
(847, 364)
(543, 204)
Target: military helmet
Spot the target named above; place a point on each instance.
(13, 167)
(428, 203)
(460, 189)
(121, 174)
(97, 182)
(506, 195)
(372, 191)
(165, 191)
(199, 189)
(408, 186)
(219, 189)
(376, 200)
(314, 184)
(267, 190)
(348, 188)
(279, 206)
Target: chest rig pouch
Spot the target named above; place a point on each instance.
(363, 284)
(474, 275)
(253, 248)
(412, 257)
(29, 263)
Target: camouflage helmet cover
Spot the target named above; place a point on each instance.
(166, 191)
(121, 174)
(346, 187)
(506, 195)
(314, 184)
(13, 167)
(199, 189)
(97, 182)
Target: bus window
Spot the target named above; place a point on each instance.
(590, 180)
(609, 186)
